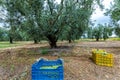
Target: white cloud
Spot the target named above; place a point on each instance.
(58, 1)
(99, 16)
(106, 3)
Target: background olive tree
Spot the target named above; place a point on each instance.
(114, 13)
(49, 20)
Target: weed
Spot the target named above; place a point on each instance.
(44, 51)
(12, 68)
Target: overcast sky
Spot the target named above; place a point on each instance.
(99, 16)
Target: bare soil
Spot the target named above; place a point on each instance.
(15, 63)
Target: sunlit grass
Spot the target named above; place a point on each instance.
(114, 39)
(6, 44)
(86, 40)
(109, 39)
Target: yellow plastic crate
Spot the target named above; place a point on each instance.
(100, 57)
(98, 51)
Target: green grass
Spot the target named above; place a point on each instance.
(114, 39)
(6, 44)
(44, 51)
(88, 40)
(85, 40)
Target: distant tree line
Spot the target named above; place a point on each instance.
(100, 32)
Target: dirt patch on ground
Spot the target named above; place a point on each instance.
(15, 63)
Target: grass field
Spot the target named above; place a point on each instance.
(109, 39)
(6, 44)
(114, 39)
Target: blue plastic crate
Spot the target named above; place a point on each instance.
(48, 70)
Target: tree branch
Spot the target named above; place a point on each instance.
(51, 10)
(58, 13)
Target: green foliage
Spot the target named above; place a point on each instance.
(44, 51)
(13, 18)
(116, 14)
(77, 18)
(89, 32)
(102, 31)
(12, 68)
(49, 20)
(114, 11)
(117, 3)
(117, 30)
(3, 34)
(107, 31)
(97, 32)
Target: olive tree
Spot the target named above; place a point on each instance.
(50, 19)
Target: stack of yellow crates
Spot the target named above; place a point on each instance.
(101, 57)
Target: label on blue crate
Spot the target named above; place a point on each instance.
(50, 67)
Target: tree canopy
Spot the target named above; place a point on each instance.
(114, 13)
(47, 19)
